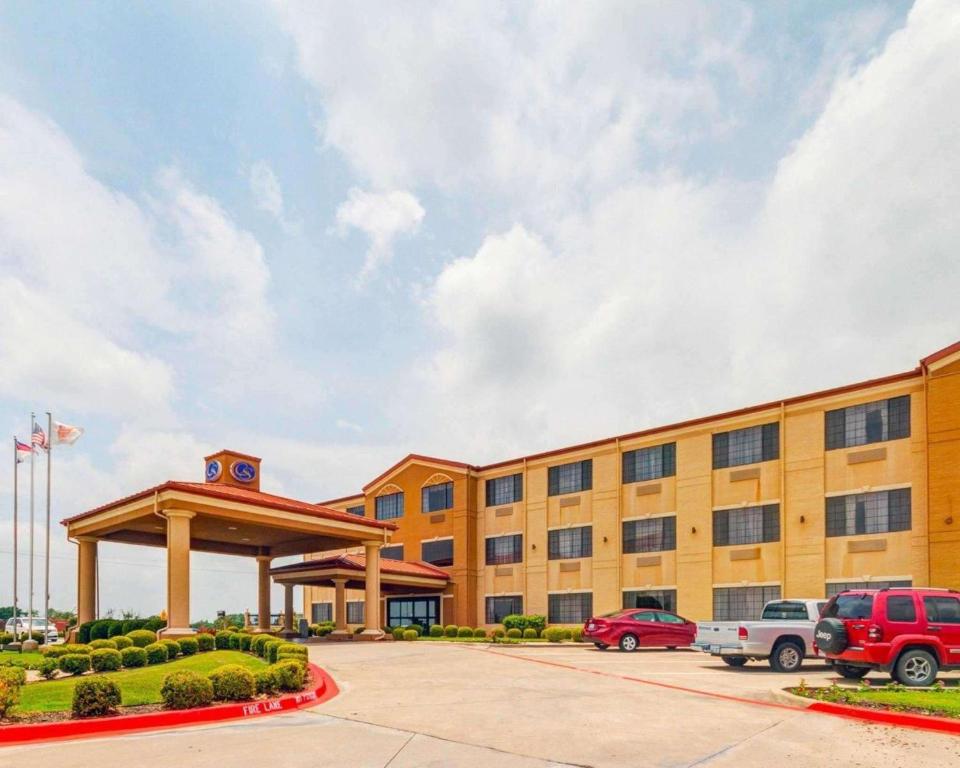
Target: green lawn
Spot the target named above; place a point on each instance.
(137, 686)
(943, 703)
(29, 660)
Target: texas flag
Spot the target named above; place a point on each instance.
(23, 450)
(64, 434)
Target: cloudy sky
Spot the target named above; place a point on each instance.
(331, 234)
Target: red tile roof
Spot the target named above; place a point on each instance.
(359, 563)
(243, 495)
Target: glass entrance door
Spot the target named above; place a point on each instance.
(403, 611)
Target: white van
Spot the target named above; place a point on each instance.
(22, 624)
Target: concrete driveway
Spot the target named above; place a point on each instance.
(432, 704)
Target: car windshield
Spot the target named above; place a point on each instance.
(852, 606)
(785, 610)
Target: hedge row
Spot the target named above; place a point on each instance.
(104, 629)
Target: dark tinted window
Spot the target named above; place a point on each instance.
(942, 610)
(851, 607)
(736, 603)
(504, 549)
(646, 616)
(656, 535)
(498, 607)
(393, 552)
(669, 618)
(321, 612)
(504, 490)
(434, 498)
(748, 525)
(650, 463)
(570, 542)
(651, 598)
(570, 478)
(746, 446)
(355, 612)
(785, 610)
(390, 506)
(867, 423)
(572, 608)
(357, 510)
(877, 512)
(901, 608)
(437, 552)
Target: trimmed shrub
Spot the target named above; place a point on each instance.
(116, 628)
(231, 682)
(156, 653)
(498, 632)
(56, 651)
(566, 634)
(83, 631)
(465, 632)
(525, 621)
(233, 641)
(514, 633)
(74, 663)
(142, 637)
(300, 650)
(97, 644)
(529, 633)
(5, 637)
(267, 681)
(410, 634)
(131, 624)
(173, 648)
(479, 632)
(99, 630)
(271, 648)
(553, 634)
(436, 630)
(11, 681)
(451, 630)
(106, 660)
(416, 627)
(576, 634)
(205, 642)
(186, 690)
(397, 633)
(133, 656)
(301, 660)
(256, 645)
(324, 631)
(95, 697)
(122, 642)
(188, 645)
(17, 675)
(48, 668)
(245, 641)
(154, 624)
(289, 675)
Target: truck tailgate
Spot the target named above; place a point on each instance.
(717, 633)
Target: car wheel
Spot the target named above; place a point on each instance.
(787, 657)
(851, 673)
(734, 661)
(916, 669)
(602, 646)
(628, 643)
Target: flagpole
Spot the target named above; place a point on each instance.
(46, 575)
(16, 559)
(33, 452)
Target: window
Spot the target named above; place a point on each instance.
(746, 446)
(786, 611)
(498, 607)
(571, 608)
(650, 463)
(877, 512)
(850, 607)
(355, 612)
(404, 611)
(749, 525)
(437, 552)
(504, 490)
(435, 498)
(358, 510)
(942, 610)
(867, 423)
(645, 616)
(651, 598)
(321, 612)
(738, 603)
(570, 478)
(390, 507)
(656, 535)
(837, 587)
(393, 552)
(669, 618)
(505, 549)
(570, 542)
(901, 608)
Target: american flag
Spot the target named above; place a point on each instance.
(39, 437)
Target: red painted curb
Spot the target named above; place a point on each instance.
(324, 689)
(886, 717)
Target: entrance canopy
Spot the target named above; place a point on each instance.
(227, 514)
(396, 576)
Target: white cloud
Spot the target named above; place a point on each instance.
(266, 189)
(382, 216)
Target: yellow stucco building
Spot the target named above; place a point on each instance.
(712, 517)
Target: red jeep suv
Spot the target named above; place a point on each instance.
(910, 633)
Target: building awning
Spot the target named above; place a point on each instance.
(396, 576)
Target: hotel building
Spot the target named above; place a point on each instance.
(853, 486)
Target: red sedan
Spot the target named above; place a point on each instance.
(632, 628)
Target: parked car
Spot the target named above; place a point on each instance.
(22, 625)
(783, 635)
(632, 628)
(912, 633)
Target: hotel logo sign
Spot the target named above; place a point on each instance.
(243, 471)
(214, 471)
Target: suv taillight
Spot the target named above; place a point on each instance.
(742, 633)
(874, 634)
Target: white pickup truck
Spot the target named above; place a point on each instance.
(783, 635)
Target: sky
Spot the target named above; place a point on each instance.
(332, 234)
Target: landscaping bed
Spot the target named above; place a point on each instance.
(938, 701)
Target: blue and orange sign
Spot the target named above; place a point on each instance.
(214, 471)
(243, 471)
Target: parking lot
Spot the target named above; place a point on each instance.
(432, 704)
